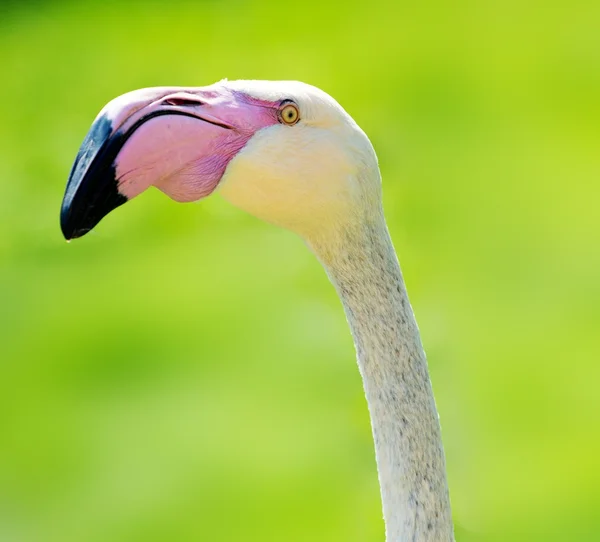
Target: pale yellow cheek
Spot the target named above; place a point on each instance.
(248, 187)
(293, 181)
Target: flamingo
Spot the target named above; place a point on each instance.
(288, 153)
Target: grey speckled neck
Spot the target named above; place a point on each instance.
(364, 269)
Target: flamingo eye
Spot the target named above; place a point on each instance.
(289, 114)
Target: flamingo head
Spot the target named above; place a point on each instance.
(285, 152)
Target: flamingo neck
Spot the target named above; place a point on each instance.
(364, 269)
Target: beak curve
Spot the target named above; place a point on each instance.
(178, 139)
(95, 186)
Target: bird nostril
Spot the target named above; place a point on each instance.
(180, 101)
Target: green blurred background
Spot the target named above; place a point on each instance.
(185, 372)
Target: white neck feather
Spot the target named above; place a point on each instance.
(364, 269)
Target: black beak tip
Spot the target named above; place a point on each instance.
(68, 229)
(92, 190)
(79, 216)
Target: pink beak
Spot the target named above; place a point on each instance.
(177, 139)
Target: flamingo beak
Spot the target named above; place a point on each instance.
(177, 139)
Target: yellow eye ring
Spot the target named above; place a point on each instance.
(289, 114)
